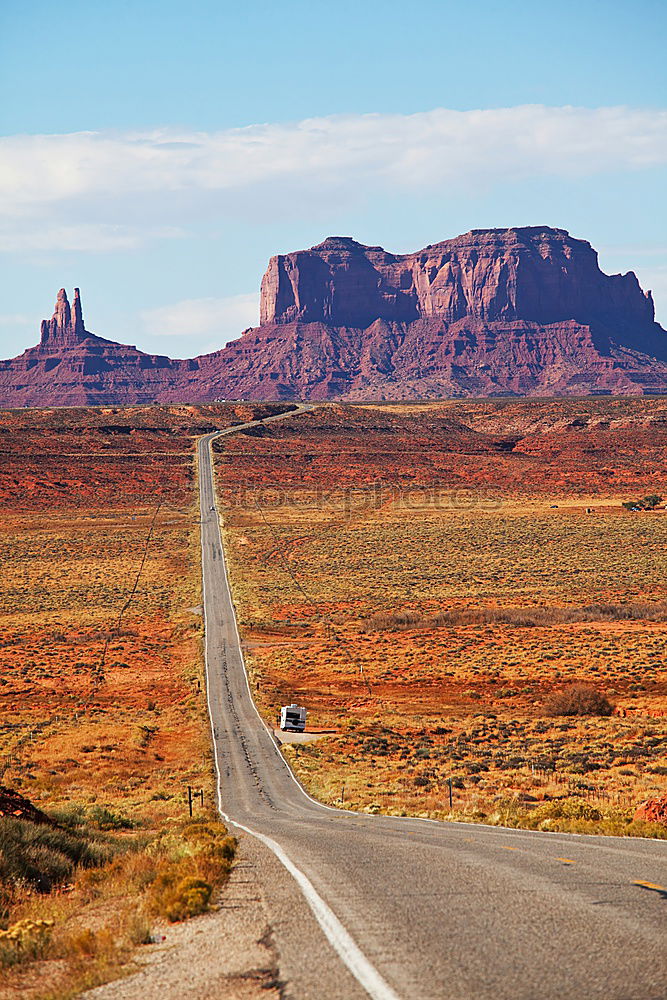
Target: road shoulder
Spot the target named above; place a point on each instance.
(228, 954)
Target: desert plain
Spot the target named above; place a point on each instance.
(103, 724)
(424, 578)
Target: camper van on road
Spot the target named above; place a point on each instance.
(292, 718)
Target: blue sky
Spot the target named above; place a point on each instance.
(156, 156)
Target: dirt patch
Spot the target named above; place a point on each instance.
(301, 737)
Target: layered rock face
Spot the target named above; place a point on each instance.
(534, 274)
(496, 311)
(523, 311)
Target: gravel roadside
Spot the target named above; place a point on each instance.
(228, 954)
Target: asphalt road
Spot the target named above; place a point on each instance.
(383, 907)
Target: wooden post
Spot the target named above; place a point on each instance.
(190, 800)
(451, 794)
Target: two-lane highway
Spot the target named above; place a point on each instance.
(389, 908)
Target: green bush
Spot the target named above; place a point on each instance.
(43, 856)
(74, 815)
(567, 809)
(106, 819)
(647, 503)
(71, 815)
(197, 861)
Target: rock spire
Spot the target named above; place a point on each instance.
(65, 328)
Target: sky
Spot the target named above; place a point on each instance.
(156, 154)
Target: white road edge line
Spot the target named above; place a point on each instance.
(338, 937)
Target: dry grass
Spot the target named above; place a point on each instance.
(527, 617)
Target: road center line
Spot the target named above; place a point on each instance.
(650, 885)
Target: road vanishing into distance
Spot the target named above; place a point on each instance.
(405, 908)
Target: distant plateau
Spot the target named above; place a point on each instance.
(495, 312)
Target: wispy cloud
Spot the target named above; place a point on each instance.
(95, 238)
(13, 320)
(221, 318)
(114, 189)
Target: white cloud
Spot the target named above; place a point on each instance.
(127, 181)
(91, 237)
(222, 317)
(16, 319)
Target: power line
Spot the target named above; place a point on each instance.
(100, 668)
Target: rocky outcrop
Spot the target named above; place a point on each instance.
(65, 328)
(494, 312)
(523, 311)
(72, 367)
(16, 806)
(653, 810)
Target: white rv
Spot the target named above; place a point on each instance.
(292, 718)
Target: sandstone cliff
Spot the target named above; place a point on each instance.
(535, 274)
(523, 311)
